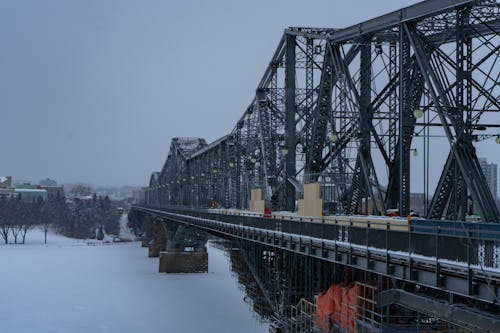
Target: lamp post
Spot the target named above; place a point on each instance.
(418, 113)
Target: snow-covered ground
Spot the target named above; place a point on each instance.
(70, 286)
(125, 233)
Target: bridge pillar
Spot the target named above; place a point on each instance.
(157, 244)
(182, 261)
(185, 250)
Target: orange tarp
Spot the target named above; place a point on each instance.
(328, 305)
(338, 305)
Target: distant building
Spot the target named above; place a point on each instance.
(47, 182)
(490, 171)
(6, 190)
(54, 192)
(138, 195)
(31, 194)
(6, 182)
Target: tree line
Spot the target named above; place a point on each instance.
(88, 216)
(80, 219)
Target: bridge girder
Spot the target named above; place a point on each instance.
(337, 106)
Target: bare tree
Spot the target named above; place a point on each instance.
(15, 231)
(5, 218)
(46, 218)
(50, 214)
(4, 231)
(31, 215)
(25, 227)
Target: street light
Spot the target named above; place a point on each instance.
(418, 113)
(415, 151)
(334, 137)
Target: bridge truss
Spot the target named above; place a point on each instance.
(349, 108)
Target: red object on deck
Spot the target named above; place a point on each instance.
(267, 213)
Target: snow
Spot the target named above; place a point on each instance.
(337, 217)
(30, 190)
(125, 233)
(69, 286)
(188, 146)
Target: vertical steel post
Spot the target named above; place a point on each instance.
(393, 68)
(290, 111)
(463, 103)
(404, 123)
(309, 86)
(365, 121)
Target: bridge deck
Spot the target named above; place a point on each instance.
(462, 265)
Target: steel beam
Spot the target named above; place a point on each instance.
(314, 157)
(458, 314)
(405, 120)
(320, 118)
(465, 155)
(290, 131)
(393, 19)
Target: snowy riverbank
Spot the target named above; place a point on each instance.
(69, 286)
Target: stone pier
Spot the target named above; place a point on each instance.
(159, 239)
(182, 261)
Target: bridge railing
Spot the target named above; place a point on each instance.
(460, 243)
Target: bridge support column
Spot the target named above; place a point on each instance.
(184, 251)
(181, 261)
(158, 242)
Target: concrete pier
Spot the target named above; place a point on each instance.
(179, 261)
(159, 239)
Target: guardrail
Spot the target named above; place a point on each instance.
(467, 264)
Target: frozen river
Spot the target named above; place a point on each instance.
(69, 286)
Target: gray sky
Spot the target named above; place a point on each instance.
(94, 90)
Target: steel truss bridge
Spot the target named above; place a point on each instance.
(347, 107)
(363, 110)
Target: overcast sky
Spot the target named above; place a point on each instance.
(93, 91)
